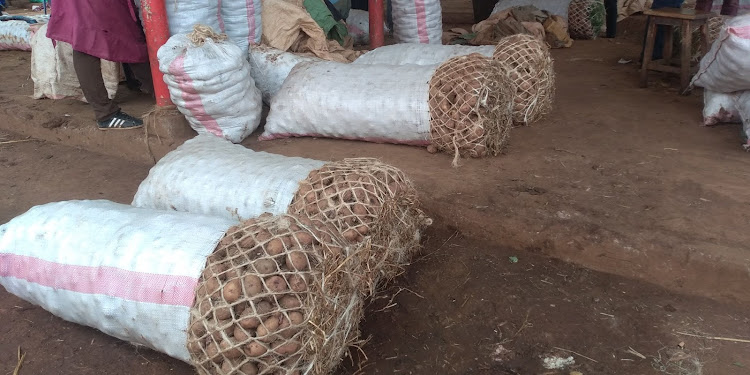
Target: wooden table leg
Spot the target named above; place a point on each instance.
(648, 51)
(704, 38)
(686, 52)
(668, 46)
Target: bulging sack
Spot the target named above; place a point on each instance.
(461, 106)
(269, 67)
(358, 26)
(16, 35)
(419, 54)
(267, 295)
(241, 20)
(725, 67)
(363, 199)
(719, 107)
(53, 73)
(209, 81)
(183, 15)
(418, 21)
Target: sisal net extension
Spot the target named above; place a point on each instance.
(469, 105)
(369, 203)
(277, 296)
(528, 64)
(585, 18)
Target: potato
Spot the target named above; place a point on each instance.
(465, 109)
(297, 283)
(275, 247)
(286, 348)
(204, 307)
(252, 285)
(359, 209)
(248, 319)
(198, 329)
(479, 151)
(227, 367)
(240, 335)
(255, 349)
(263, 307)
(351, 235)
(347, 196)
(304, 238)
(265, 266)
(232, 291)
(249, 369)
(363, 229)
(195, 347)
(477, 133)
(296, 261)
(312, 209)
(276, 284)
(212, 351)
(310, 197)
(447, 139)
(268, 327)
(290, 302)
(222, 313)
(230, 350)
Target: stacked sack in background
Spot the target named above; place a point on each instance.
(525, 60)
(461, 105)
(209, 81)
(53, 73)
(363, 199)
(16, 31)
(725, 74)
(417, 21)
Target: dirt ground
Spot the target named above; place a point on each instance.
(617, 179)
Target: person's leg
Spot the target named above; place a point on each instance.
(730, 7)
(142, 73)
(611, 8)
(704, 5)
(89, 71)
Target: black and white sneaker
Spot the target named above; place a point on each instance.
(120, 121)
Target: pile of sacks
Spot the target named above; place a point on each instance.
(266, 274)
(725, 75)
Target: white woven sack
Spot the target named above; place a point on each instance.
(358, 26)
(556, 7)
(211, 85)
(208, 175)
(418, 21)
(719, 107)
(182, 15)
(420, 54)
(15, 35)
(128, 272)
(269, 67)
(743, 107)
(376, 103)
(240, 20)
(726, 67)
(53, 74)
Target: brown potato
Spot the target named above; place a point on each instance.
(363, 229)
(351, 235)
(263, 307)
(268, 327)
(265, 266)
(249, 369)
(248, 319)
(465, 109)
(240, 335)
(297, 283)
(255, 349)
(195, 347)
(286, 348)
(275, 247)
(304, 238)
(296, 261)
(359, 209)
(253, 285)
(290, 302)
(230, 350)
(212, 285)
(222, 313)
(232, 291)
(212, 351)
(276, 284)
(198, 329)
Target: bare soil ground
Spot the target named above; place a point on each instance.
(617, 179)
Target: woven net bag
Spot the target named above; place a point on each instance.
(369, 202)
(528, 64)
(585, 18)
(470, 107)
(277, 296)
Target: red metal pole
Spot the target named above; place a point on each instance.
(154, 15)
(376, 23)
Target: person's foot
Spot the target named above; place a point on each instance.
(120, 121)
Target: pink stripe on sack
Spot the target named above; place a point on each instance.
(109, 281)
(221, 19)
(742, 32)
(192, 99)
(250, 8)
(421, 21)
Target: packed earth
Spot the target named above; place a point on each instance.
(607, 238)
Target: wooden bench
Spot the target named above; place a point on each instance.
(688, 20)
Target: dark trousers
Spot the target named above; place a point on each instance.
(728, 7)
(89, 71)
